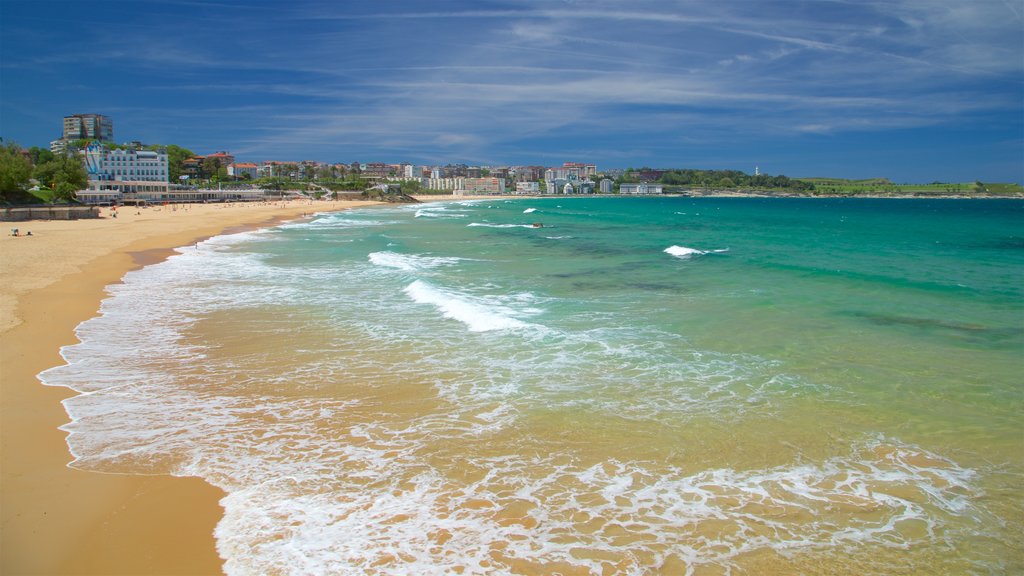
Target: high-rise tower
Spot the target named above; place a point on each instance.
(89, 127)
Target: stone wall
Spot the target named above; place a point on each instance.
(22, 213)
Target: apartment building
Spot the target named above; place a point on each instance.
(243, 169)
(88, 127)
(481, 186)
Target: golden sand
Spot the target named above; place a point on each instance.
(56, 519)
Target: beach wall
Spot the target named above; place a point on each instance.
(20, 214)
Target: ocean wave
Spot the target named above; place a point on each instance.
(684, 252)
(411, 262)
(440, 212)
(477, 314)
(488, 225)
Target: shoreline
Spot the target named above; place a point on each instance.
(57, 519)
(722, 194)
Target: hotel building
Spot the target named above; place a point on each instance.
(116, 175)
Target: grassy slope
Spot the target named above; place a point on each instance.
(843, 186)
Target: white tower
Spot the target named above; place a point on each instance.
(757, 170)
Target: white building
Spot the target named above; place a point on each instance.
(240, 169)
(481, 186)
(438, 183)
(606, 186)
(641, 189)
(527, 187)
(118, 174)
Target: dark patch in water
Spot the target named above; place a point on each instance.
(978, 332)
(1011, 243)
(656, 286)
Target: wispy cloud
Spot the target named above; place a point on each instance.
(480, 79)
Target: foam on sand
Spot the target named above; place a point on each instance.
(400, 515)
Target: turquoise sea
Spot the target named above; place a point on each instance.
(635, 386)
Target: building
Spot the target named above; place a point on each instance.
(606, 186)
(439, 183)
(88, 127)
(223, 158)
(526, 173)
(481, 186)
(243, 169)
(571, 171)
(527, 187)
(58, 146)
(117, 175)
(585, 171)
(378, 169)
(641, 189)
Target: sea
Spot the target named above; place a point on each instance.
(596, 385)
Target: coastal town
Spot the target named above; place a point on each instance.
(137, 173)
(86, 165)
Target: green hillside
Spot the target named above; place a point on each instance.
(883, 186)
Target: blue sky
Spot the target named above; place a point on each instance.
(914, 90)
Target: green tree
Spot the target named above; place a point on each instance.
(176, 156)
(64, 175)
(39, 155)
(211, 167)
(15, 172)
(411, 187)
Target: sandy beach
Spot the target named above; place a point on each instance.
(56, 519)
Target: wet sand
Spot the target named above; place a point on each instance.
(56, 519)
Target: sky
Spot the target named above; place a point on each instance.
(913, 90)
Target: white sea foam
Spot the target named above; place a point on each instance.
(396, 514)
(488, 225)
(440, 212)
(529, 210)
(684, 252)
(477, 314)
(411, 262)
(326, 485)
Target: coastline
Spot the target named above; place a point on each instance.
(57, 519)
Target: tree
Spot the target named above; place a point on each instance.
(39, 155)
(211, 167)
(15, 171)
(411, 187)
(65, 175)
(176, 156)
